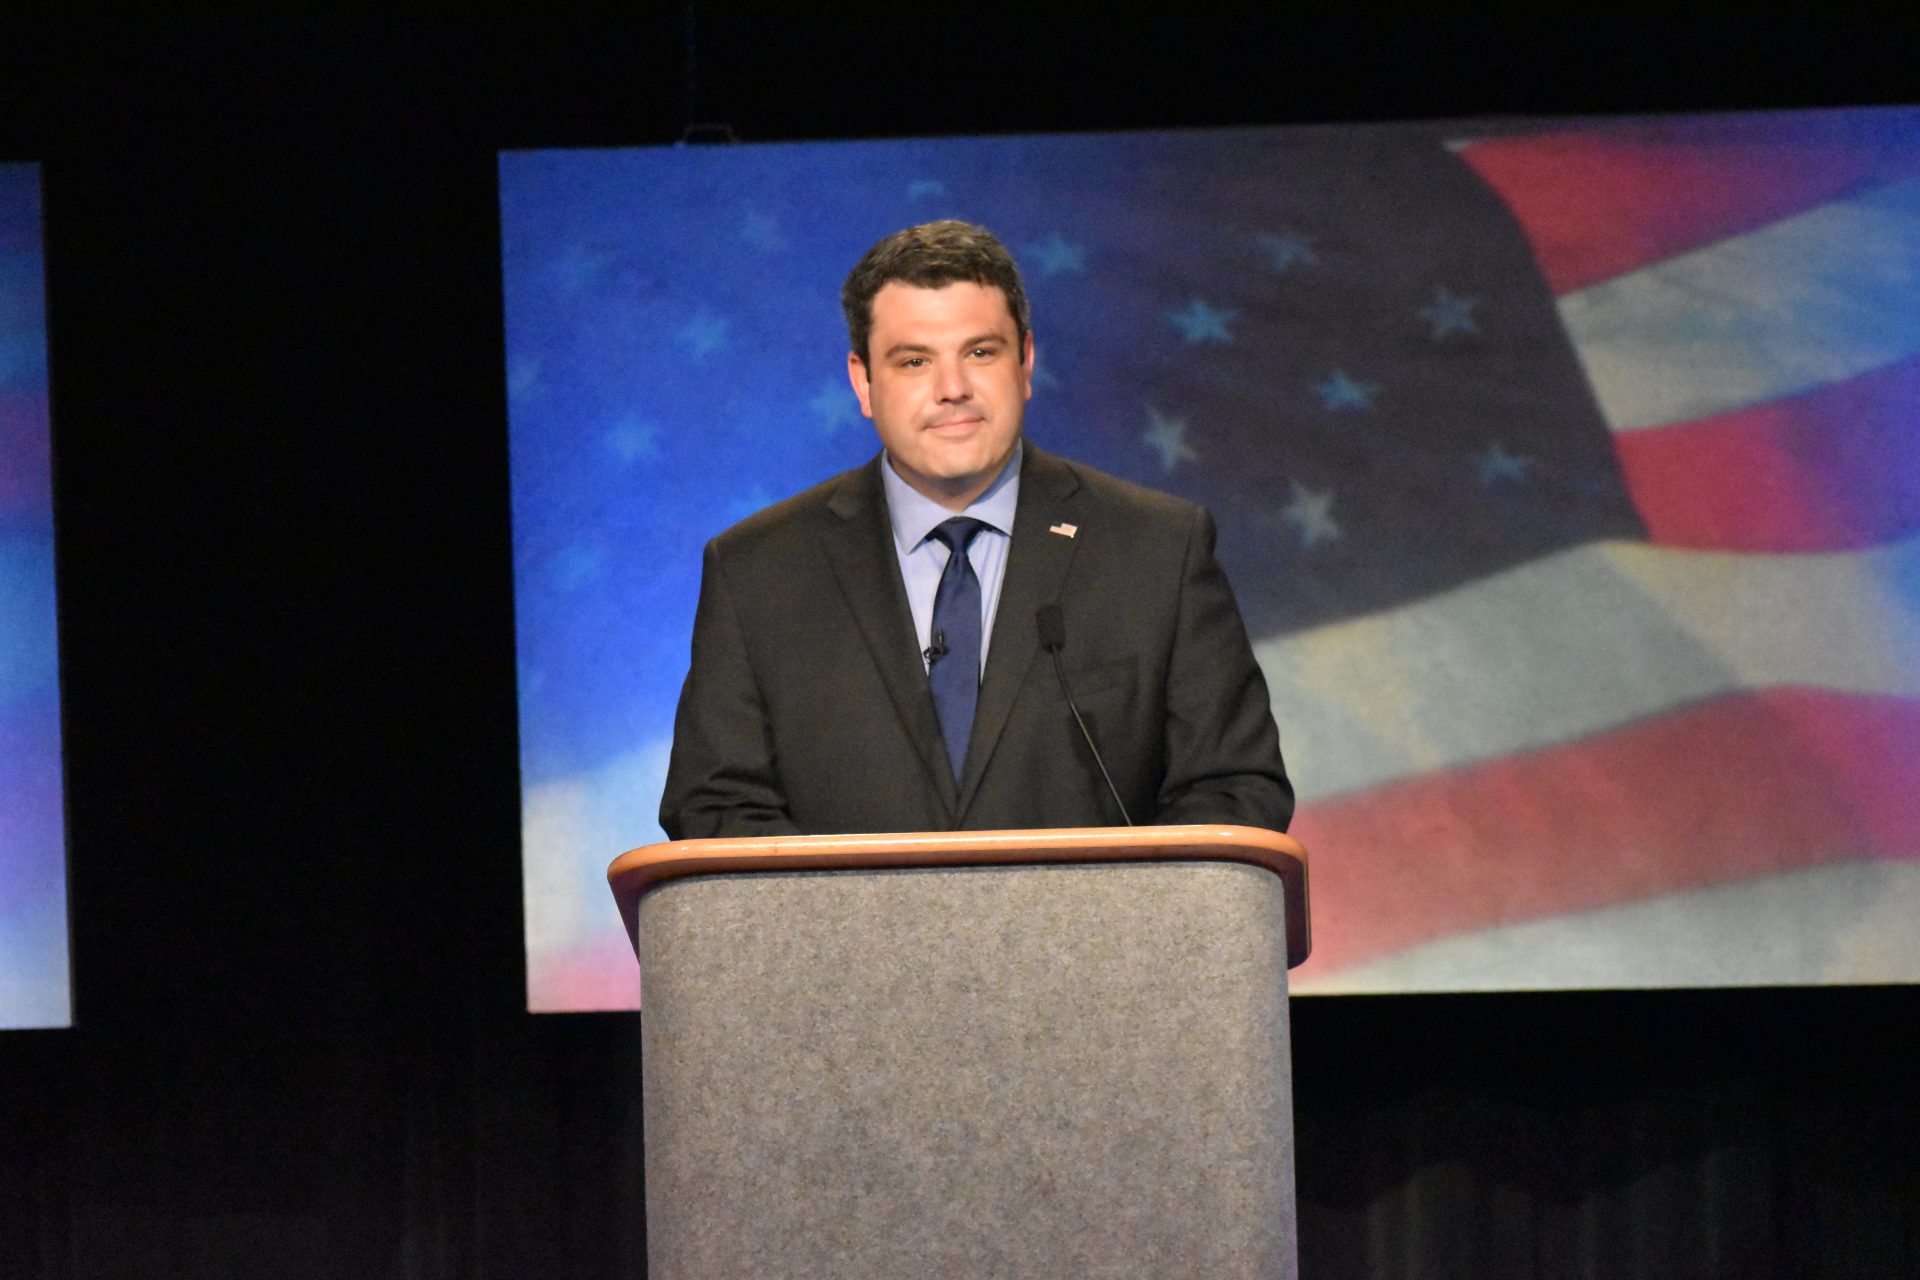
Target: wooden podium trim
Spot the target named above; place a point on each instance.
(635, 872)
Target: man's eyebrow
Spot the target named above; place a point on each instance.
(919, 348)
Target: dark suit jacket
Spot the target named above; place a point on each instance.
(807, 708)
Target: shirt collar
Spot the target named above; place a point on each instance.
(914, 515)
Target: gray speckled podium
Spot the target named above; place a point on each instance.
(1073, 1068)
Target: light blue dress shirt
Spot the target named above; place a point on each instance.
(924, 559)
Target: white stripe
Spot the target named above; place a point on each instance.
(1586, 640)
(1846, 922)
(1824, 295)
(570, 829)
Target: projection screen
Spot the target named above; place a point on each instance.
(34, 984)
(1566, 472)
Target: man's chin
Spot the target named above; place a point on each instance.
(957, 470)
(960, 475)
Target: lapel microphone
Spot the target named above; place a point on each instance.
(1053, 638)
(938, 649)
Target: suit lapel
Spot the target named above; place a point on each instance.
(1036, 567)
(859, 546)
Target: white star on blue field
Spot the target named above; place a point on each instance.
(1285, 249)
(579, 564)
(834, 405)
(1496, 465)
(632, 438)
(703, 335)
(1198, 322)
(762, 231)
(1056, 254)
(1450, 314)
(582, 266)
(1340, 392)
(742, 505)
(522, 376)
(1310, 512)
(1168, 437)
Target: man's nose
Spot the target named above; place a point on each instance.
(954, 383)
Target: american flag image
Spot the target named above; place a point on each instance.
(1567, 473)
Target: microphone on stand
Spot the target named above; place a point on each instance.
(1053, 638)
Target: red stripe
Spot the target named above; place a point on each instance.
(1598, 204)
(1833, 468)
(1744, 786)
(591, 977)
(1869, 761)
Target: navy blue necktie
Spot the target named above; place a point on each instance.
(955, 673)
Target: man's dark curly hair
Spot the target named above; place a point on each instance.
(929, 256)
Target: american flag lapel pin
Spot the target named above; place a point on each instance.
(1064, 529)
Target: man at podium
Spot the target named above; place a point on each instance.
(904, 647)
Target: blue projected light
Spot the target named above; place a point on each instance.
(34, 982)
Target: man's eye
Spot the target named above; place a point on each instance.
(913, 362)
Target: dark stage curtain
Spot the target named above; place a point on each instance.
(1748, 1134)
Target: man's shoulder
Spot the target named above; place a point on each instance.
(776, 527)
(1097, 488)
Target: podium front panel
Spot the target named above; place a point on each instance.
(1013, 1071)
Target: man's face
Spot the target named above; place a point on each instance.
(947, 385)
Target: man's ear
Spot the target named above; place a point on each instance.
(1026, 366)
(862, 384)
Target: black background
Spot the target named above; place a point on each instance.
(286, 639)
